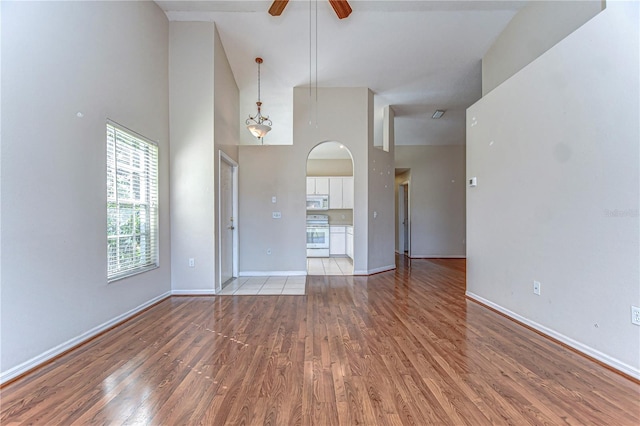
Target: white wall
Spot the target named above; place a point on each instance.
(267, 171)
(437, 198)
(105, 60)
(204, 115)
(555, 151)
(226, 134)
(381, 209)
(191, 78)
(343, 115)
(333, 167)
(537, 27)
(204, 106)
(226, 103)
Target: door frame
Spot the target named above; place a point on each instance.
(222, 157)
(404, 240)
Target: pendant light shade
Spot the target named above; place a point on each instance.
(259, 130)
(258, 124)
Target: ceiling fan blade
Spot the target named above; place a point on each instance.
(341, 8)
(277, 7)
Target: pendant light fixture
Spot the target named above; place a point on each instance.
(258, 125)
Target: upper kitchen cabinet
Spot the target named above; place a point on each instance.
(347, 192)
(341, 192)
(335, 193)
(317, 185)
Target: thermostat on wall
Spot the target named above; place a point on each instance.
(473, 182)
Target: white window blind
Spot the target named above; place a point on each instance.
(132, 203)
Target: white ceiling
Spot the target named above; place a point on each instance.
(417, 56)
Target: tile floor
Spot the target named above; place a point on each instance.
(294, 285)
(329, 266)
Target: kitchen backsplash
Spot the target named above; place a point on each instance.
(340, 217)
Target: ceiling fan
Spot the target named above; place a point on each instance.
(341, 7)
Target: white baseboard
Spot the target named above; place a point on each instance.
(76, 341)
(272, 273)
(200, 292)
(438, 256)
(587, 350)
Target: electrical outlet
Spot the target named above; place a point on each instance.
(192, 262)
(276, 215)
(536, 287)
(635, 315)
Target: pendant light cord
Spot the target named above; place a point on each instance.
(316, 63)
(310, 63)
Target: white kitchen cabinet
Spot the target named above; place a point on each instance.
(337, 241)
(347, 193)
(317, 186)
(335, 193)
(339, 189)
(349, 241)
(341, 192)
(322, 185)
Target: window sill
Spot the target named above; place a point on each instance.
(131, 273)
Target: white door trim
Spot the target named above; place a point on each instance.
(400, 219)
(234, 205)
(404, 240)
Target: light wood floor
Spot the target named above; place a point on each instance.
(402, 347)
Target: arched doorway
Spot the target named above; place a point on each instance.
(330, 195)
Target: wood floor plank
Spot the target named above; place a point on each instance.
(403, 347)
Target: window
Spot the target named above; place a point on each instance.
(132, 203)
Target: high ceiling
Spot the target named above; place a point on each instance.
(417, 56)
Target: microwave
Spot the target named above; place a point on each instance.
(317, 202)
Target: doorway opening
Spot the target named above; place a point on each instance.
(403, 212)
(227, 220)
(330, 205)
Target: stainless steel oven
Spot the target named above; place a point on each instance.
(318, 235)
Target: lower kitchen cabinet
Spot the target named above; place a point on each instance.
(337, 241)
(349, 241)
